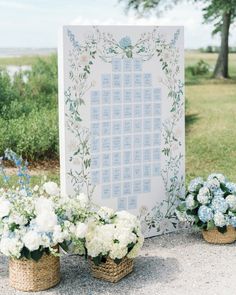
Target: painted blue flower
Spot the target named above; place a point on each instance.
(195, 184)
(219, 204)
(205, 213)
(125, 42)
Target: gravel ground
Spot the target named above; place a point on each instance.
(177, 263)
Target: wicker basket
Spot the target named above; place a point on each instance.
(28, 275)
(213, 236)
(112, 272)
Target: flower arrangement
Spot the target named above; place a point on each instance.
(114, 235)
(209, 204)
(34, 222)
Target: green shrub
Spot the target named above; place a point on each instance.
(28, 111)
(34, 136)
(199, 69)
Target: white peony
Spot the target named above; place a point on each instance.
(81, 230)
(46, 221)
(231, 201)
(51, 188)
(32, 240)
(219, 219)
(43, 204)
(5, 206)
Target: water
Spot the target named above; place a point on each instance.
(18, 52)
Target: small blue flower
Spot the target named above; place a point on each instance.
(205, 213)
(125, 42)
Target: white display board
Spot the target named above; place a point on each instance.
(122, 119)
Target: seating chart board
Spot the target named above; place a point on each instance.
(122, 119)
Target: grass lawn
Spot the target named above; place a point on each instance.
(210, 121)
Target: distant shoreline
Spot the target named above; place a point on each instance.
(19, 52)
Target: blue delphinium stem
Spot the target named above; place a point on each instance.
(22, 166)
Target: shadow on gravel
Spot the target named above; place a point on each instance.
(148, 271)
(3, 266)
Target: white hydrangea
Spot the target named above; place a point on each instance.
(204, 196)
(5, 206)
(83, 199)
(219, 219)
(134, 252)
(117, 251)
(81, 230)
(114, 237)
(106, 213)
(51, 188)
(17, 219)
(43, 204)
(231, 201)
(32, 240)
(190, 202)
(11, 247)
(46, 221)
(58, 235)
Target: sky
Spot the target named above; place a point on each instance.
(35, 23)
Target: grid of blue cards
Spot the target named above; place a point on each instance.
(125, 133)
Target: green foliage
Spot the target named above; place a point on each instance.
(28, 110)
(199, 69)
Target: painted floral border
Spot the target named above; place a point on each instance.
(103, 45)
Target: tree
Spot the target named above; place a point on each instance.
(221, 12)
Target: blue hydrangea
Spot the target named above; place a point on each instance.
(125, 42)
(231, 187)
(218, 193)
(195, 184)
(205, 213)
(233, 221)
(190, 202)
(219, 204)
(220, 177)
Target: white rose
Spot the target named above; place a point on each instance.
(81, 230)
(32, 240)
(83, 199)
(43, 204)
(5, 206)
(46, 221)
(51, 188)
